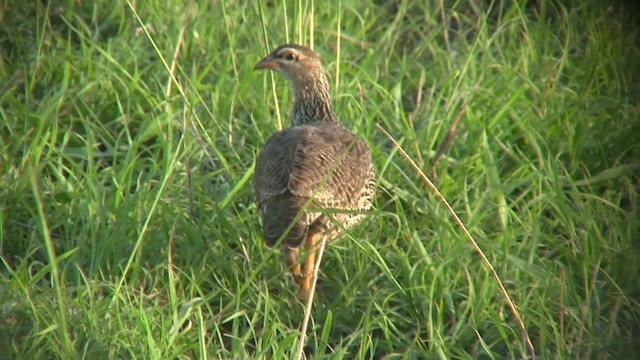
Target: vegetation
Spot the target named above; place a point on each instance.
(128, 228)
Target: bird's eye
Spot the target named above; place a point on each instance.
(289, 57)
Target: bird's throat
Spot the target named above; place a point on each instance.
(311, 104)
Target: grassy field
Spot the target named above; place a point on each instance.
(127, 223)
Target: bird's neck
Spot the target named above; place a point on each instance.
(311, 102)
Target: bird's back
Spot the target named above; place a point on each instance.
(322, 162)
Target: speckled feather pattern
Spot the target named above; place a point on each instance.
(316, 161)
(324, 162)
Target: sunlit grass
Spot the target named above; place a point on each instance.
(148, 222)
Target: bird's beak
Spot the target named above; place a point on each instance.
(268, 62)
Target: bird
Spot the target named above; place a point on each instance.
(314, 178)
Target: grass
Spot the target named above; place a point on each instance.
(127, 224)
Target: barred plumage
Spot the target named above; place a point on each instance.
(314, 164)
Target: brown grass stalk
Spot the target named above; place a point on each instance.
(460, 224)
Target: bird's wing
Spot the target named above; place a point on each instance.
(327, 163)
(331, 165)
(273, 166)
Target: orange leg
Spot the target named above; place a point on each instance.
(291, 258)
(296, 272)
(309, 267)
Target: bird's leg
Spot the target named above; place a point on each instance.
(291, 258)
(310, 265)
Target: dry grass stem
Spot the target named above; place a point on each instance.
(176, 53)
(309, 303)
(462, 227)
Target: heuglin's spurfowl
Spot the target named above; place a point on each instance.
(314, 164)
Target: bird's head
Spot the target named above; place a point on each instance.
(296, 63)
